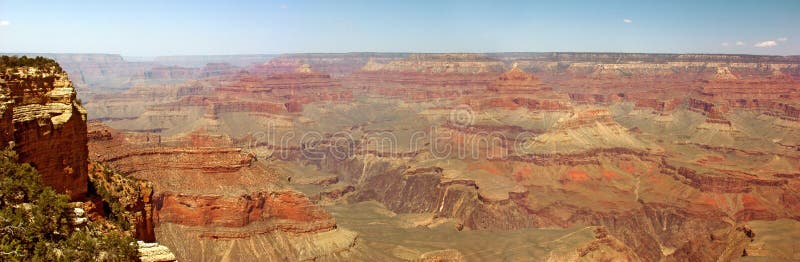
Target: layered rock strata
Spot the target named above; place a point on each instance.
(208, 194)
(46, 125)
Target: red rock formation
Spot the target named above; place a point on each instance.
(715, 114)
(42, 117)
(46, 124)
(217, 210)
(661, 105)
(517, 81)
(204, 185)
(423, 77)
(775, 94)
(278, 92)
(725, 85)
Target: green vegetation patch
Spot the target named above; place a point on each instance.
(36, 223)
(24, 61)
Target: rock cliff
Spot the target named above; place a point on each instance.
(46, 125)
(207, 193)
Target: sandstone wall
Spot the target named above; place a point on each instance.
(47, 125)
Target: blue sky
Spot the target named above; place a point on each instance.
(151, 28)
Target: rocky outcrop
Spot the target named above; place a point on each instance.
(517, 81)
(44, 121)
(586, 129)
(240, 211)
(337, 65)
(660, 105)
(606, 247)
(207, 193)
(424, 77)
(122, 193)
(154, 252)
(440, 63)
(726, 183)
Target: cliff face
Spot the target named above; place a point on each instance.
(47, 125)
(206, 193)
(134, 197)
(428, 76)
(336, 65)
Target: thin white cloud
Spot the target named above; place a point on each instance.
(284, 6)
(627, 21)
(766, 44)
(4, 23)
(782, 39)
(725, 44)
(739, 43)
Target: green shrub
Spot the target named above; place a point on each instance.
(35, 222)
(24, 61)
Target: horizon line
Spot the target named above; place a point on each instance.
(389, 52)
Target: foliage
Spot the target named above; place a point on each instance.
(24, 61)
(36, 222)
(118, 190)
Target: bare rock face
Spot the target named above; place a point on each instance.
(425, 77)
(725, 74)
(517, 81)
(154, 252)
(217, 210)
(337, 65)
(47, 125)
(207, 193)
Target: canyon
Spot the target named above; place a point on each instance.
(430, 157)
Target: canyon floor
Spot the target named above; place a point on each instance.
(462, 157)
